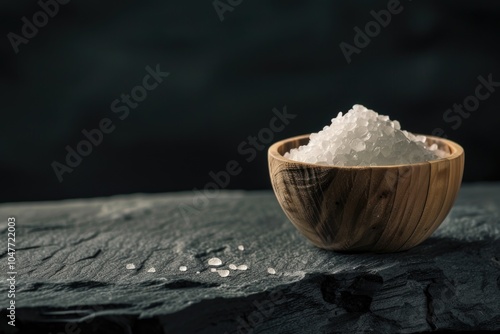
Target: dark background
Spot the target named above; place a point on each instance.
(226, 77)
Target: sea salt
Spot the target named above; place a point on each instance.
(183, 268)
(241, 247)
(151, 270)
(213, 270)
(271, 271)
(130, 266)
(242, 267)
(215, 261)
(223, 273)
(362, 137)
(233, 266)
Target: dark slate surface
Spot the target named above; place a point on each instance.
(72, 276)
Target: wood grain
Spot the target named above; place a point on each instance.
(381, 208)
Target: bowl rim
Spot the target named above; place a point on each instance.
(456, 152)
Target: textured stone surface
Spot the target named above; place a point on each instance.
(72, 256)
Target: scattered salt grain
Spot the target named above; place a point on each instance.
(223, 273)
(241, 247)
(271, 271)
(183, 268)
(242, 267)
(130, 266)
(197, 272)
(215, 261)
(362, 137)
(233, 267)
(151, 270)
(213, 270)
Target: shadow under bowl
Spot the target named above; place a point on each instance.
(366, 208)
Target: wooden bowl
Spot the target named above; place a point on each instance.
(361, 208)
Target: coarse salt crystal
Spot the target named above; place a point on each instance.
(215, 261)
(223, 272)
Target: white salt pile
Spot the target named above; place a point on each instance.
(271, 271)
(183, 268)
(362, 137)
